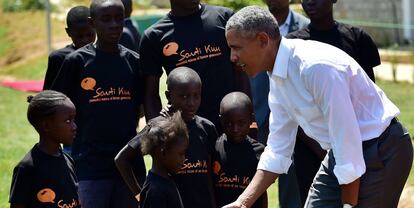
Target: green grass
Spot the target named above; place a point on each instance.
(34, 69)
(4, 44)
(17, 136)
(402, 94)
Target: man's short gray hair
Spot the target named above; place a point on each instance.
(252, 20)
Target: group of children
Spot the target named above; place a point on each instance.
(193, 166)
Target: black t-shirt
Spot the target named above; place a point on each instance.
(194, 178)
(106, 90)
(234, 166)
(196, 41)
(54, 63)
(42, 180)
(353, 40)
(130, 36)
(160, 192)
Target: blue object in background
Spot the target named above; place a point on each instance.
(145, 21)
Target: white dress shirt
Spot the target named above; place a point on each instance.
(284, 28)
(323, 90)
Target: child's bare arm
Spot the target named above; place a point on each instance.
(123, 161)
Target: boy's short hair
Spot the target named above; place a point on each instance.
(96, 3)
(43, 105)
(162, 132)
(236, 99)
(77, 15)
(180, 75)
(128, 7)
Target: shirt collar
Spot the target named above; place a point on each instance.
(280, 66)
(287, 21)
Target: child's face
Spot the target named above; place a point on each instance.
(185, 97)
(61, 125)
(174, 156)
(81, 34)
(318, 9)
(109, 22)
(236, 123)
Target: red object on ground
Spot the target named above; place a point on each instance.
(24, 85)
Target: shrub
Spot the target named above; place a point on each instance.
(235, 4)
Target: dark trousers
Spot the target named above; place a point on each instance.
(106, 193)
(307, 164)
(388, 161)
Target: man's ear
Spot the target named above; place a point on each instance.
(263, 38)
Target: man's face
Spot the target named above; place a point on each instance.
(109, 21)
(317, 9)
(246, 52)
(277, 5)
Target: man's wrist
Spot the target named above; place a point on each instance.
(242, 201)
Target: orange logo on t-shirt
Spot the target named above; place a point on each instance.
(216, 167)
(88, 83)
(170, 49)
(46, 195)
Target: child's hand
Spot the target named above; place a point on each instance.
(167, 111)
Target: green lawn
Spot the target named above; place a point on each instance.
(4, 44)
(33, 69)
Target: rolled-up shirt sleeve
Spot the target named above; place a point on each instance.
(277, 155)
(330, 89)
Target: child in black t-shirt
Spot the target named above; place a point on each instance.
(45, 177)
(194, 179)
(166, 140)
(103, 80)
(81, 33)
(236, 154)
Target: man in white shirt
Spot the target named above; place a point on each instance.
(292, 193)
(330, 96)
